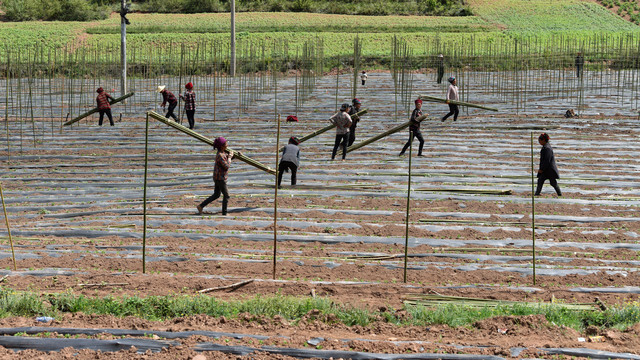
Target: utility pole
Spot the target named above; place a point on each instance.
(124, 9)
(232, 65)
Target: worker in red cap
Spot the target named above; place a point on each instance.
(103, 105)
(357, 104)
(415, 128)
(220, 174)
(290, 160)
(189, 98)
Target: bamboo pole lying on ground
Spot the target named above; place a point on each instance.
(329, 127)
(93, 111)
(461, 103)
(208, 141)
(384, 134)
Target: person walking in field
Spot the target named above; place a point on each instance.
(189, 104)
(440, 66)
(548, 168)
(579, 64)
(290, 160)
(220, 174)
(353, 109)
(103, 105)
(363, 77)
(168, 97)
(452, 94)
(342, 121)
(415, 128)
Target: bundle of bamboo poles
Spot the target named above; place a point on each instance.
(355, 116)
(455, 102)
(206, 140)
(93, 111)
(384, 134)
(437, 299)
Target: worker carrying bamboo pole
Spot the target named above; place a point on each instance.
(353, 109)
(220, 175)
(342, 121)
(189, 98)
(290, 160)
(415, 128)
(452, 94)
(168, 97)
(103, 105)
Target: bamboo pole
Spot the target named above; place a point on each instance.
(144, 200)
(461, 103)
(533, 213)
(93, 111)
(208, 141)
(329, 127)
(275, 201)
(384, 134)
(6, 219)
(406, 221)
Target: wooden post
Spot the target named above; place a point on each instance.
(144, 200)
(406, 230)
(232, 63)
(275, 203)
(6, 219)
(533, 212)
(123, 49)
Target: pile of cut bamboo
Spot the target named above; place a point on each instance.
(437, 299)
(208, 141)
(93, 111)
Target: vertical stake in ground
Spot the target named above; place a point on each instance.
(275, 199)
(533, 212)
(6, 219)
(144, 199)
(406, 221)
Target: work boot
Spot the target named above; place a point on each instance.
(199, 209)
(224, 208)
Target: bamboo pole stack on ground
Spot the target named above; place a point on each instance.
(208, 141)
(93, 111)
(461, 103)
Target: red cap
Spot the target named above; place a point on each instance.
(100, 89)
(418, 101)
(189, 86)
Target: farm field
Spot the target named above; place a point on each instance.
(74, 200)
(497, 24)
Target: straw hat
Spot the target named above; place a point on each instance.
(160, 88)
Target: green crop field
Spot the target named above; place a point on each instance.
(548, 25)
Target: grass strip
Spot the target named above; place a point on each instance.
(452, 313)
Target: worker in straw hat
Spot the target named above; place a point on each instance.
(168, 97)
(220, 174)
(452, 94)
(104, 107)
(189, 98)
(342, 121)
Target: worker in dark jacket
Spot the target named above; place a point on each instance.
(548, 168)
(189, 104)
(415, 128)
(168, 97)
(290, 160)
(579, 64)
(103, 105)
(357, 104)
(440, 65)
